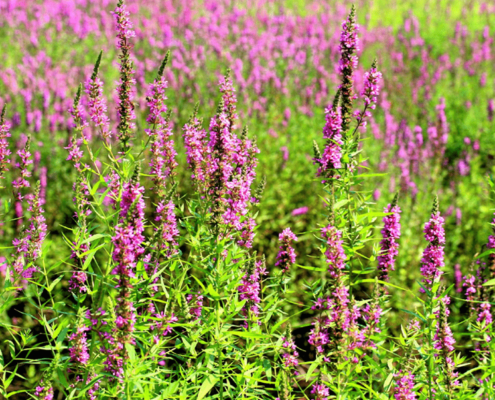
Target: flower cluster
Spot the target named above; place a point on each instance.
(250, 289)
(372, 313)
(444, 343)
(196, 148)
(404, 386)
(162, 325)
(163, 154)
(389, 246)
(332, 154)
(167, 228)
(349, 46)
(433, 255)
(28, 246)
(320, 391)
(127, 240)
(334, 253)
(79, 349)
(25, 156)
(4, 144)
(44, 392)
(97, 103)
(197, 301)
(290, 353)
(286, 255)
(370, 94)
(224, 164)
(125, 89)
(80, 246)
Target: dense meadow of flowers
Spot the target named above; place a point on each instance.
(219, 200)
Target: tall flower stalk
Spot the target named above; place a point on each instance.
(389, 246)
(444, 345)
(125, 89)
(433, 255)
(97, 103)
(349, 46)
(4, 144)
(127, 241)
(286, 255)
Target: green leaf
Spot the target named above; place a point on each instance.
(315, 364)
(310, 268)
(94, 237)
(11, 377)
(491, 282)
(248, 334)
(130, 351)
(212, 291)
(340, 204)
(268, 368)
(206, 386)
(54, 283)
(388, 380)
(61, 336)
(11, 348)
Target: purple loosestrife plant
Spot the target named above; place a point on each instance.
(195, 303)
(78, 137)
(79, 349)
(163, 154)
(223, 145)
(330, 160)
(349, 46)
(167, 228)
(389, 246)
(433, 255)
(290, 363)
(80, 246)
(223, 166)
(320, 392)
(28, 248)
(4, 144)
(26, 160)
(404, 386)
(97, 103)
(286, 255)
(128, 240)
(250, 290)
(196, 149)
(126, 88)
(444, 344)
(369, 94)
(44, 392)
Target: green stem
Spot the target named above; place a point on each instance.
(430, 344)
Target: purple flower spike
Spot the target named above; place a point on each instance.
(79, 350)
(370, 94)
(126, 90)
(320, 392)
(4, 144)
(404, 386)
(127, 240)
(332, 154)
(433, 255)
(349, 46)
(389, 247)
(97, 103)
(44, 392)
(335, 252)
(286, 255)
(444, 343)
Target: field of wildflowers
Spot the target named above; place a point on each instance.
(211, 199)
